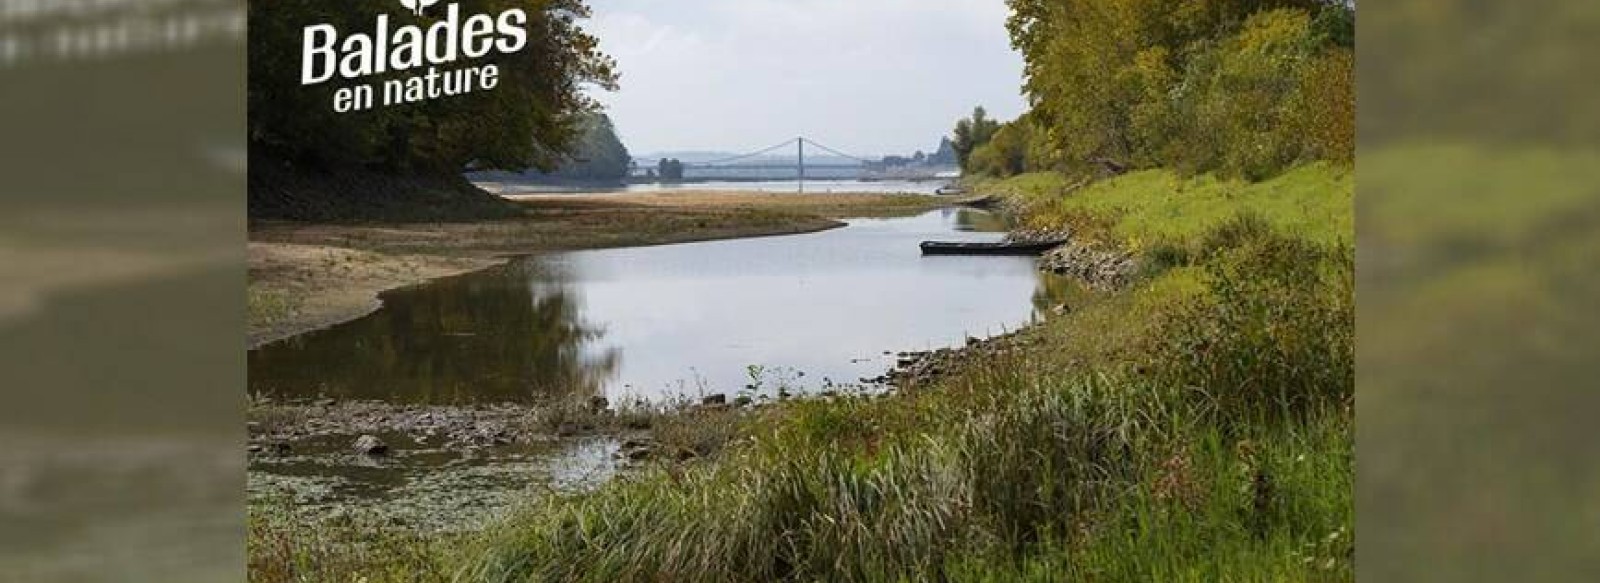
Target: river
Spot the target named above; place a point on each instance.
(800, 313)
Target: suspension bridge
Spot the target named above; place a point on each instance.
(799, 158)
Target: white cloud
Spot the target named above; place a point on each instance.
(886, 76)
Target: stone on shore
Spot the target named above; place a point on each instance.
(372, 446)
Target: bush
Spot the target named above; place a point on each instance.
(1017, 147)
(1273, 337)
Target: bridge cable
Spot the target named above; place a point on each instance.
(833, 151)
(785, 143)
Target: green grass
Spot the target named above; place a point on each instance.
(1196, 427)
(1314, 202)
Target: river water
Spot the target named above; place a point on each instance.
(802, 313)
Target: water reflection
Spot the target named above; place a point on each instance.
(512, 333)
(979, 221)
(811, 311)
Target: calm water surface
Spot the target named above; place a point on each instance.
(802, 312)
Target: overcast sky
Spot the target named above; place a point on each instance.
(870, 77)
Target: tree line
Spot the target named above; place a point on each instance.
(1242, 88)
(597, 153)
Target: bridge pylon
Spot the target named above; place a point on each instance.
(801, 144)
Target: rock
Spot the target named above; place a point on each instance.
(1098, 268)
(717, 399)
(567, 430)
(370, 445)
(640, 454)
(255, 448)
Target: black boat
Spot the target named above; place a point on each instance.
(1002, 248)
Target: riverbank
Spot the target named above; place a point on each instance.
(1195, 423)
(305, 276)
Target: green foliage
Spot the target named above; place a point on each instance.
(528, 120)
(1275, 336)
(597, 154)
(1015, 148)
(1277, 507)
(971, 133)
(1242, 87)
(1144, 209)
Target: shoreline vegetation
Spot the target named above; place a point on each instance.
(1194, 424)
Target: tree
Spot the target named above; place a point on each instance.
(669, 169)
(1199, 85)
(971, 133)
(1017, 147)
(598, 154)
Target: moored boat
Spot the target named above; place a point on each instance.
(1001, 248)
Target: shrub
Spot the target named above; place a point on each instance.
(1273, 337)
